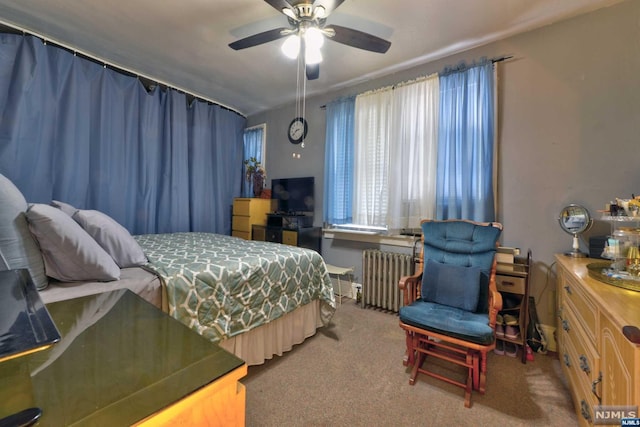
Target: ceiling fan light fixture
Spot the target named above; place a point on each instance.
(319, 12)
(312, 55)
(290, 13)
(313, 38)
(291, 46)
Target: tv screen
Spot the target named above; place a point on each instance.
(294, 195)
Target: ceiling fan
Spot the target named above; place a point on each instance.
(307, 20)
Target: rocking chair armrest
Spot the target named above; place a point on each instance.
(410, 285)
(495, 305)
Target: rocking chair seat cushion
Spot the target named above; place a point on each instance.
(446, 320)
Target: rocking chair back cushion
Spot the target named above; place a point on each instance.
(462, 244)
(452, 285)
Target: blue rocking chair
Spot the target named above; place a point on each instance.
(451, 303)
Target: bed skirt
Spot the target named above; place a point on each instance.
(277, 337)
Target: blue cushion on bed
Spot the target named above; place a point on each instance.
(452, 285)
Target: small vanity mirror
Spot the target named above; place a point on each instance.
(575, 220)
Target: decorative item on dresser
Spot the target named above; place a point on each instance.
(598, 341)
(247, 212)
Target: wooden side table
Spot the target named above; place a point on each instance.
(121, 361)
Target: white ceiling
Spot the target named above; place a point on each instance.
(184, 43)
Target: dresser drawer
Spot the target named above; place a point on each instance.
(587, 361)
(242, 207)
(514, 285)
(241, 223)
(583, 308)
(242, 234)
(583, 398)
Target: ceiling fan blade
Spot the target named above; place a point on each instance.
(313, 71)
(359, 39)
(260, 38)
(329, 5)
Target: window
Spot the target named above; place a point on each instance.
(422, 149)
(254, 146)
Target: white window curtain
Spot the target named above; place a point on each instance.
(373, 113)
(413, 154)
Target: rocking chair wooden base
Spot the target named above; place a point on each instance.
(419, 346)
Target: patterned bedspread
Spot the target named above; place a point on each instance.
(222, 286)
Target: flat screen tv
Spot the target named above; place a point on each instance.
(294, 195)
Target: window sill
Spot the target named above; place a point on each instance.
(370, 237)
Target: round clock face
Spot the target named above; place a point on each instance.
(297, 130)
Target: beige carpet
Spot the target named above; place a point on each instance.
(351, 373)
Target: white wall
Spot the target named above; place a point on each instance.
(569, 132)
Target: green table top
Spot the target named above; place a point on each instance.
(120, 360)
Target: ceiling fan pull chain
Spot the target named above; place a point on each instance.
(298, 91)
(304, 98)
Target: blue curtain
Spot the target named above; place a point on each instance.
(339, 160)
(465, 145)
(253, 138)
(75, 131)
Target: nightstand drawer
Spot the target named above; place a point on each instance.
(290, 237)
(511, 284)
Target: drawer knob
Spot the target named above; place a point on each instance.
(584, 364)
(568, 289)
(565, 325)
(567, 362)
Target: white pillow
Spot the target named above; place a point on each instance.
(112, 237)
(64, 207)
(17, 245)
(69, 253)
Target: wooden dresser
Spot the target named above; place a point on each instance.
(600, 361)
(247, 212)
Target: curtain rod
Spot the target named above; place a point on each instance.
(117, 68)
(493, 60)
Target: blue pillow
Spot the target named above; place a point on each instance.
(452, 285)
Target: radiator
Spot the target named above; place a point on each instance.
(381, 272)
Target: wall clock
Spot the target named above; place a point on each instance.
(297, 130)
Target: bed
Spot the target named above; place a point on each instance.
(256, 299)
